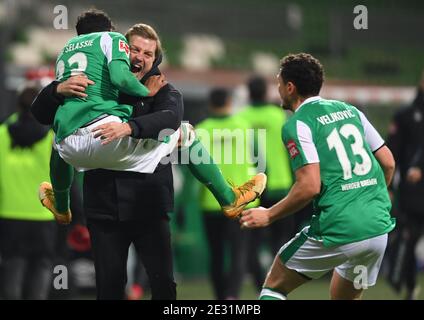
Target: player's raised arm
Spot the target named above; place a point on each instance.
(116, 50)
(122, 78)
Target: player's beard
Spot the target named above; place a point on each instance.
(285, 104)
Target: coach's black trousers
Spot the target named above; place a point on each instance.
(225, 236)
(110, 243)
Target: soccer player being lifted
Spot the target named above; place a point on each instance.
(103, 56)
(341, 163)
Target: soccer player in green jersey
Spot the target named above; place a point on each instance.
(341, 164)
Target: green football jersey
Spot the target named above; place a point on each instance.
(90, 54)
(353, 204)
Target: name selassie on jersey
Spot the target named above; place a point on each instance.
(353, 204)
(90, 54)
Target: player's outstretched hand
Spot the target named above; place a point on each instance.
(112, 131)
(74, 86)
(155, 83)
(255, 218)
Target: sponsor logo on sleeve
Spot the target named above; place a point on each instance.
(292, 148)
(123, 47)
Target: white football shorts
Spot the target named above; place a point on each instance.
(354, 261)
(84, 152)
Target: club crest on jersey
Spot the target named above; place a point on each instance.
(292, 148)
(123, 47)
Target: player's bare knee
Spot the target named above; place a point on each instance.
(187, 135)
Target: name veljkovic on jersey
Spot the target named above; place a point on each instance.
(335, 116)
(359, 184)
(78, 45)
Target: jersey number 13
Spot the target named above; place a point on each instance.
(334, 142)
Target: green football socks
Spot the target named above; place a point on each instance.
(208, 173)
(61, 176)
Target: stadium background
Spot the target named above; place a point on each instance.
(220, 42)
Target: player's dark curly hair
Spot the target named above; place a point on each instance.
(304, 71)
(93, 20)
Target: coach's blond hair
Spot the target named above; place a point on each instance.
(147, 32)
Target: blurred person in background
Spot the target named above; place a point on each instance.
(27, 230)
(406, 141)
(226, 136)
